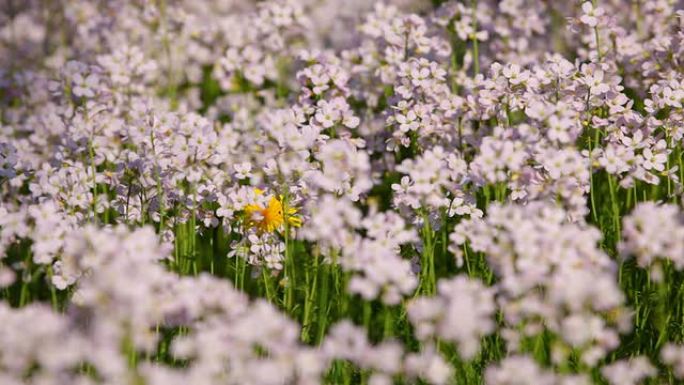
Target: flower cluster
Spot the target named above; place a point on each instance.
(463, 312)
(644, 238)
(535, 252)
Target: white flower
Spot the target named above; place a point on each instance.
(591, 15)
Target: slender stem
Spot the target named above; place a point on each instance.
(476, 48)
(615, 205)
(324, 301)
(26, 278)
(311, 289)
(428, 278)
(267, 283)
(290, 271)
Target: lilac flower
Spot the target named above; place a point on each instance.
(591, 14)
(653, 233)
(462, 313)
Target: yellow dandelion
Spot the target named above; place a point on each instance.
(270, 218)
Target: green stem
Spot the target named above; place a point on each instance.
(428, 278)
(615, 205)
(290, 272)
(267, 283)
(311, 287)
(476, 48)
(324, 301)
(26, 279)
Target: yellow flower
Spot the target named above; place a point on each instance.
(270, 218)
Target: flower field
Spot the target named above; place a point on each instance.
(302, 192)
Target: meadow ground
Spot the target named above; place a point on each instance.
(341, 192)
